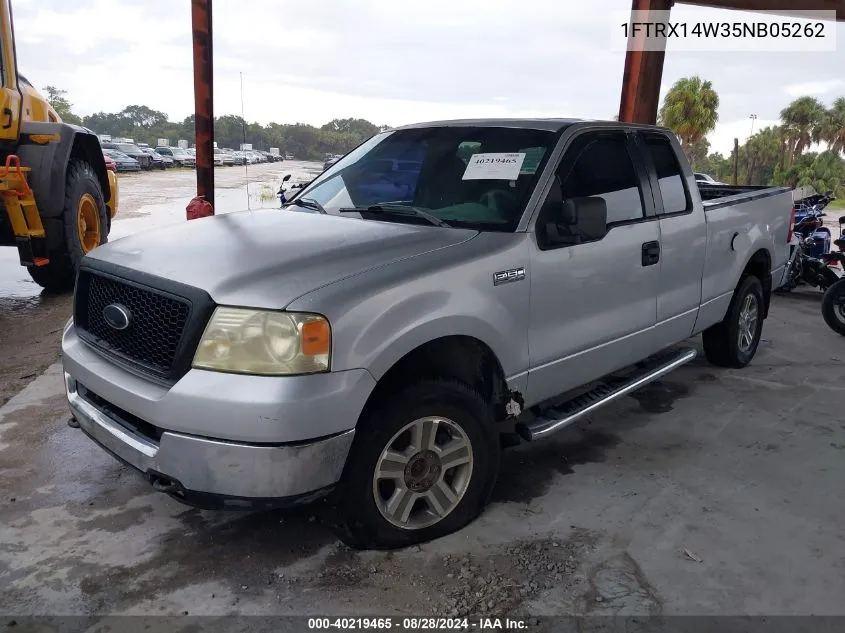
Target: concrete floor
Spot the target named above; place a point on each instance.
(743, 469)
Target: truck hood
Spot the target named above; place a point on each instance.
(268, 258)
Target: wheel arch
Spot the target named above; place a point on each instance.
(759, 265)
(462, 357)
(47, 149)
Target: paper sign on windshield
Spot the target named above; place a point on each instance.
(494, 166)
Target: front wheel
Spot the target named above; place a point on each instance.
(84, 224)
(733, 342)
(833, 307)
(423, 465)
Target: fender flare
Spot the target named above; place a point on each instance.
(47, 149)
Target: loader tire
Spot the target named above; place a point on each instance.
(84, 224)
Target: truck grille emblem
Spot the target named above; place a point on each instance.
(117, 316)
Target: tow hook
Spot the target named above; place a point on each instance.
(73, 422)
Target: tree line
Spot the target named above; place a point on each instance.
(774, 155)
(146, 125)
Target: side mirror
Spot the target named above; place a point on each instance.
(588, 216)
(286, 178)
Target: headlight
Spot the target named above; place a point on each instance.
(246, 341)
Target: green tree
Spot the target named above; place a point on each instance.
(143, 117)
(833, 126)
(761, 155)
(823, 172)
(56, 99)
(691, 110)
(802, 122)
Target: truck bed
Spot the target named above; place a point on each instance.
(716, 196)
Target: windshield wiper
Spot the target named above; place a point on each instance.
(308, 203)
(400, 209)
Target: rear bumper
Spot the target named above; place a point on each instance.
(209, 472)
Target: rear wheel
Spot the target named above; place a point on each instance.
(84, 225)
(833, 307)
(734, 341)
(423, 465)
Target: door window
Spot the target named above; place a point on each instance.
(595, 187)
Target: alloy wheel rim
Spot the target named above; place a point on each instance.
(748, 317)
(423, 473)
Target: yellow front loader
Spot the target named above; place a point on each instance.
(57, 198)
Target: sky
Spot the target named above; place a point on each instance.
(395, 61)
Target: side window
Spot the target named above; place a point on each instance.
(595, 186)
(672, 189)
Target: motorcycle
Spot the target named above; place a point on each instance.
(283, 198)
(803, 268)
(811, 260)
(833, 301)
(283, 193)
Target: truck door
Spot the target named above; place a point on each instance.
(10, 94)
(683, 239)
(594, 277)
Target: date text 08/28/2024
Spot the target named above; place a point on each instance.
(419, 624)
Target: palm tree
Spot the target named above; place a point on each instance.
(803, 120)
(762, 152)
(690, 109)
(833, 127)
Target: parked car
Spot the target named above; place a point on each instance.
(158, 161)
(331, 160)
(376, 350)
(222, 157)
(133, 151)
(240, 158)
(705, 179)
(110, 164)
(122, 161)
(268, 157)
(289, 156)
(180, 156)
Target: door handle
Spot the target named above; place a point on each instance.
(651, 253)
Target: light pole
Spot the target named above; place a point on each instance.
(753, 117)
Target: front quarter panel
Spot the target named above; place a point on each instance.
(381, 315)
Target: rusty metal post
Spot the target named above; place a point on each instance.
(204, 97)
(643, 72)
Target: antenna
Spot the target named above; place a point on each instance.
(243, 131)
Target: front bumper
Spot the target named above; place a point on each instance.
(195, 467)
(211, 433)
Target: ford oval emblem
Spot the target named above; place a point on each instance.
(117, 316)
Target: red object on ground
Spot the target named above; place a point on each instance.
(199, 208)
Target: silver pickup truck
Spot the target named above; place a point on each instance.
(375, 338)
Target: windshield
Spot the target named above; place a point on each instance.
(126, 148)
(474, 177)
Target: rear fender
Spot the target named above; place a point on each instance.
(47, 148)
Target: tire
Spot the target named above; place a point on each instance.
(84, 200)
(833, 307)
(462, 412)
(722, 345)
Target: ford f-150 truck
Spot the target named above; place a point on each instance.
(436, 287)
